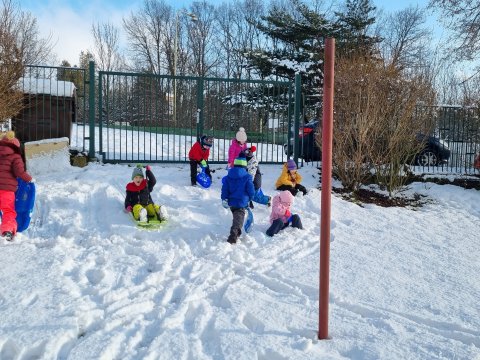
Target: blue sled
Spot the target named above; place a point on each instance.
(203, 179)
(24, 203)
(261, 198)
(249, 221)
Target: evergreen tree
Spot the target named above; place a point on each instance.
(297, 39)
(353, 24)
(298, 46)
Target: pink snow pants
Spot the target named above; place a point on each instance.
(7, 207)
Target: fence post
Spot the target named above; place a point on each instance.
(296, 116)
(91, 109)
(200, 107)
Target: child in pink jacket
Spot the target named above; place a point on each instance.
(238, 145)
(281, 215)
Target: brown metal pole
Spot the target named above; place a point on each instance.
(327, 140)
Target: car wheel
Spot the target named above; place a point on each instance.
(427, 158)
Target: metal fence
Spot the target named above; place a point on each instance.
(136, 117)
(154, 118)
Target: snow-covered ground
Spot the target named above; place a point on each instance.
(83, 282)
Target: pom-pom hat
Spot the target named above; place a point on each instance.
(249, 152)
(241, 135)
(291, 165)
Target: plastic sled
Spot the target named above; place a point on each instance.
(247, 226)
(152, 224)
(203, 179)
(261, 198)
(24, 203)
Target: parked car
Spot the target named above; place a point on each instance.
(433, 153)
(309, 151)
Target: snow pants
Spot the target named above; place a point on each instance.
(152, 210)
(278, 225)
(9, 215)
(237, 224)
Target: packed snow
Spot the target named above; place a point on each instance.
(83, 282)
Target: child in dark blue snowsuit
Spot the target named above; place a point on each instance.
(237, 192)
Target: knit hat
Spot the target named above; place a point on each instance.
(249, 152)
(286, 197)
(137, 171)
(291, 165)
(10, 137)
(241, 135)
(240, 161)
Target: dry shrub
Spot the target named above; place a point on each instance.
(11, 69)
(375, 124)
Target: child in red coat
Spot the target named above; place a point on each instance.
(198, 155)
(11, 167)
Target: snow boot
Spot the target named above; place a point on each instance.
(162, 213)
(143, 215)
(8, 235)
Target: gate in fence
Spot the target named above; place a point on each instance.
(154, 118)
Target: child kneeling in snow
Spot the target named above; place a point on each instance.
(290, 179)
(139, 200)
(281, 215)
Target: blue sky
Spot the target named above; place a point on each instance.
(69, 21)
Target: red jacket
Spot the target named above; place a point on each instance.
(11, 166)
(197, 153)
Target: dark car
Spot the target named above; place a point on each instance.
(309, 151)
(434, 152)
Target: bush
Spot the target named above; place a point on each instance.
(375, 124)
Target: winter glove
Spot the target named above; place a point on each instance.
(128, 208)
(225, 204)
(288, 214)
(148, 167)
(290, 219)
(203, 164)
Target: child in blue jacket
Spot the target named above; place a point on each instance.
(237, 192)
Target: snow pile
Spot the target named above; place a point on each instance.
(84, 283)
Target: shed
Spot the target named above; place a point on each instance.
(49, 111)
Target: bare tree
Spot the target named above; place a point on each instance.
(463, 18)
(238, 32)
(107, 54)
(23, 26)
(205, 53)
(11, 69)
(147, 33)
(405, 38)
